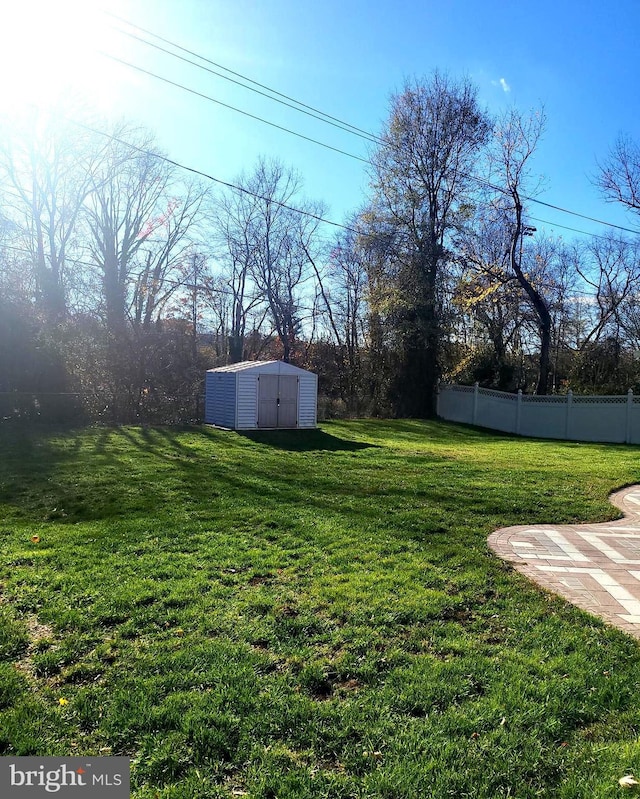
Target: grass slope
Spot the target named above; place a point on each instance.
(308, 614)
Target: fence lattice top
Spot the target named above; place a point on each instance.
(551, 399)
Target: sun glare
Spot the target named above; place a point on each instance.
(50, 51)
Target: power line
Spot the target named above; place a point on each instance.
(301, 211)
(564, 227)
(177, 46)
(219, 181)
(312, 114)
(229, 292)
(231, 107)
(502, 190)
(581, 216)
(165, 281)
(341, 123)
(291, 208)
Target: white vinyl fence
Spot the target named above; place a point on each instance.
(613, 419)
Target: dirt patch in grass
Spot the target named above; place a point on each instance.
(38, 632)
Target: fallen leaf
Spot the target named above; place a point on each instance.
(628, 781)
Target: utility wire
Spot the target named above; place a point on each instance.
(219, 181)
(564, 227)
(177, 46)
(227, 292)
(231, 107)
(318, 218)
(150, 240)
(341, 123)
(312, 114)
(581, 216)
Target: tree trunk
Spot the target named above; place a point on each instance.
(235, 349)
(418, 378)
(545, 355)
(538, 302)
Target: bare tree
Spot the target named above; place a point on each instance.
(284, 243)
(516, 140)
(349, 291)
(610, 268)
(128, 190)
(489, 297)
(270, 233)
(141, 221)
(46, 169)
(619, 175)
(168, 246)
(233, 214)
(340, 309)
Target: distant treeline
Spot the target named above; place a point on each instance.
(122, 278)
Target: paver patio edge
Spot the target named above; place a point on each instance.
(594, 566)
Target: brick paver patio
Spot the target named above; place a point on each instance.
(595, 566)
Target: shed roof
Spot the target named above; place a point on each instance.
(244, 366)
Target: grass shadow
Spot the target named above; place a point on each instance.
(303, 440)
(434, 430)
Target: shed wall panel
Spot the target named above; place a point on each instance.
(208, 398)
(308, 400)
(279, 368)
(247, 401)
(220, 399)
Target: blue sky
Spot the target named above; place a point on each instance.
(578, 59)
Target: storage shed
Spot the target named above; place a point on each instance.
(261, 394)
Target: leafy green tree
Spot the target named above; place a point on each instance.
(422, 182)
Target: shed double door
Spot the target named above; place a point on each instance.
(277, 401)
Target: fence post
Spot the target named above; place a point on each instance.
(627, 433)
(567, 422)
(518, 411)
(474, 414)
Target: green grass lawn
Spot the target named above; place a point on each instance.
(308, 614)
